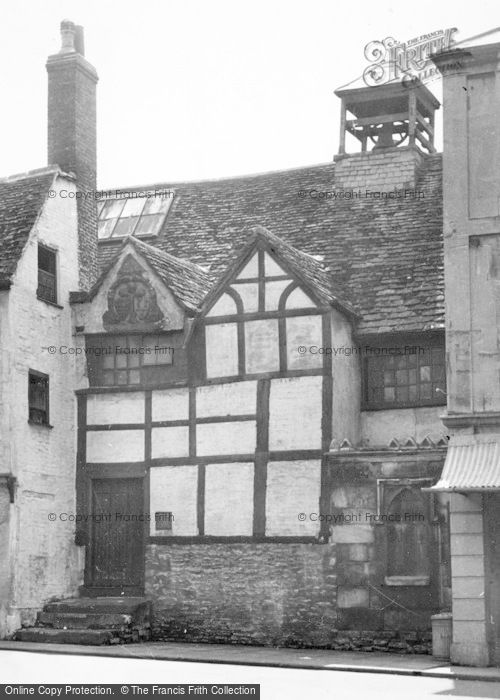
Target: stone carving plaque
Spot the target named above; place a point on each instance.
(132, 303)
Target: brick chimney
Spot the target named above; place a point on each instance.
(72, 135)
(394, 127)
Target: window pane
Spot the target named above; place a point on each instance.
(412, 393)
(105, 227)
(412, 376)
(121, 360)
(388, 378)
(112, 208)
(125, 227)
(401, 376)
(121, 377)
(425, 391)
(157, 205)
(108, 361)
(108, 378)
(402, 393)
(134, 376)
(46, 260)
(425, 374)
(389, 394)
(133, 206)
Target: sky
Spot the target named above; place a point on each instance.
(193, 90)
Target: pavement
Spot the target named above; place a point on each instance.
(360, 662)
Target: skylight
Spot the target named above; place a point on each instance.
(141, 215)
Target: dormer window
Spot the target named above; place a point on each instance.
(47, 274)
(140, 214)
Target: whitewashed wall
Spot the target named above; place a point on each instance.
(295, 413)
(293, 490)
(229, 499)
(124, 407)
(174, 490)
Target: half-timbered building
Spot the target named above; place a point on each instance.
(254, 374)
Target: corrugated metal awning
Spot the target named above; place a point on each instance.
(471, 467)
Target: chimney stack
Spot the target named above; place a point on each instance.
(72, 135)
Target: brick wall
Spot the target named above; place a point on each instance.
(72, 144)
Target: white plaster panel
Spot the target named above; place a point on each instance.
(238, 437)
(273, 294)
(379, 427)
(293, 488)
(224, 306)
(251, 269)
(295, 413)
(221, 350)
(170, 442)
(170, 404)
(174, 490)
(249, 294)
(115, 446)
(261, 346)
(271, 267)
(304, 331)
(234, 398)
(124, 407)
(299, 300)
(229, 499)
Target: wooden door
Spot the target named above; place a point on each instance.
(116, 535)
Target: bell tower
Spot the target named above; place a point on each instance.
(390, 129)
(388, 116)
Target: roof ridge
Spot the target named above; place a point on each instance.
(229, 178)
(47, 170)
(168, 256)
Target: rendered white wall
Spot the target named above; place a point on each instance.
(295, 413)
(293, 488)
(229, 499)
(115, 446)
(124, 407)
(174, 490)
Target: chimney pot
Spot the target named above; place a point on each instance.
(67, 36)
(79, 40)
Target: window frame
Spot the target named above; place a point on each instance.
(430, 343)
(96, 369)
(31, 407)
(50, 299)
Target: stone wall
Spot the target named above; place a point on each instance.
(259, 594)
(379, 171)
(279, 594)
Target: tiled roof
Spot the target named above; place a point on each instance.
(21, 200)
(385, 255)
(188, 282)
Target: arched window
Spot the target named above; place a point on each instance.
(408, 534)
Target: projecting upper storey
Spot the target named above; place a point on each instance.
(383, 251)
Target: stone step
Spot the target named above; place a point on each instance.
(74, 620)
(89, 637)
(48, 635)
(137, 607)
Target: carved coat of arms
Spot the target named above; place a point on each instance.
(131, 300)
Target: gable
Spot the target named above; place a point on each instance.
(130, 298)
(261, 282)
